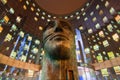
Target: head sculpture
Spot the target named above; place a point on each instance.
(58, 40)
(59, 51)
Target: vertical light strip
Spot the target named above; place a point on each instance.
(16, 43)
(79, 37)
(13, 50)
(21, 47)
(29, 48)
(20, 50)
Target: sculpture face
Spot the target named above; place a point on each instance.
(58, 40)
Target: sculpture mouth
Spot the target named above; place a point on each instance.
(59, 37)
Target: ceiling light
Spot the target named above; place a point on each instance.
(43, 13)
(48, 20)
(27, 2)
(82, 9)
(35, 18)
(77, 13)
(71, 16)
(97, 26)
(43, 17)
(97, 7)
(81, 27)
(37, 42)
(33, 4)
(11, 11)
(38, 10)
(40, 28)
(37, 13)
(85, 19)
(90, 31)
(91, 14)
(84, 14)
(112, 11)
(32, 9)
(78, 17)
(54, 17)
(49, 16)
(87, 4)
(106, 4)
(18, 19)
(24, 7)
(66, 17)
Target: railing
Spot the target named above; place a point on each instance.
(107, 64)
(18, 64)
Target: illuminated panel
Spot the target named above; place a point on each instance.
(4, 1)
(1, 29)
(100, 58)
(117, 18)
(111, 55)
(104, 72)
(117, 70)
(6, 19)
(115, 37)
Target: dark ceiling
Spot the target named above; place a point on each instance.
(61, 7)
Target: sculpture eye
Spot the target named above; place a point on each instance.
(51, 24)
(66, 26)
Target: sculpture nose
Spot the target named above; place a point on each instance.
(58, 27)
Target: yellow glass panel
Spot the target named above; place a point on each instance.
(117, 18)
(101, 12)
(117, 69)
(115, 37)
(40, 28)
(111, 55)
(104, 72)
(13, 54)
(6, 18)
(100, 58)
(4, 1)
(1, 29)
(32, 9)
(35, 18)
(24, 7)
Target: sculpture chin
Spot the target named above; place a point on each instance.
(59, 52)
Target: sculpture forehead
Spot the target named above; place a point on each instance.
(61, 23)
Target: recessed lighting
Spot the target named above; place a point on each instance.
(81, 27)
(87, 4)
(54, 17)
(71, 16)
(37, 13)
(38, 10)
(66, 17)
(78, 17)
(43, 13)
(48, 20)
(33, 4)
(84, 14)
(82, 9)
(35, 18)
(24, 7)
(40, 28)
(27, 2)
(77, 13)
(90, 31)
(49, 16)
(43, 17)
(32, 9)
